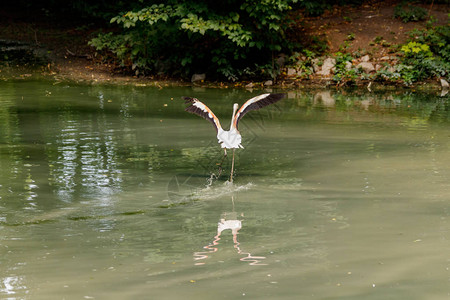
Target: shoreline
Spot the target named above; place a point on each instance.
(85, 70)
(56, 73)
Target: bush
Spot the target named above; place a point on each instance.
(419, 63)
(232, 38)
(427, 55)
(438, 38)
(409, 13)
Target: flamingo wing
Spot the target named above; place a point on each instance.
(200, 109)
(256, 103)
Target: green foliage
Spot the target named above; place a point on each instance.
(416, 50)
(234, 38)
(347, 19)
(379, 40)
(387, 73)
(438, 38)
(414, 65)
(343, 73)
(317, 7)
(303, 62)
(427, 55)
(409, 13)
(319, 44)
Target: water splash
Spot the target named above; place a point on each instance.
(182, 189)
(227, 188)
(207, 192)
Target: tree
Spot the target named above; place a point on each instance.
(229, 37)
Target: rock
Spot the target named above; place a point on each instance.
(366, 67)
(315, 63)
(444, 85)
(268, 83)
(291, 72)
(365, 58)
(386, 58)
(348, 65)
(328, 64)
(198, 77)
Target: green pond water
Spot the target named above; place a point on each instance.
(114, 192)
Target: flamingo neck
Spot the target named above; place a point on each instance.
(235, 108)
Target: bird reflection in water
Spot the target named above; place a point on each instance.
(228, 220)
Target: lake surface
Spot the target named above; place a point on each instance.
(113, 192)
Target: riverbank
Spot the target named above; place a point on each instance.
(369, 35)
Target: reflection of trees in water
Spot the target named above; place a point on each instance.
(57, 149)
(17, 180)
(83, 156)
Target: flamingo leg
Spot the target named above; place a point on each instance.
(221, 162)
(232, 168)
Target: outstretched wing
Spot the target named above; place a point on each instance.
(255, 104)
(202, 110)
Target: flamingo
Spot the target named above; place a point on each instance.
(230, 139)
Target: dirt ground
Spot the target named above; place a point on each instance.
(368, 23)
(369, 29)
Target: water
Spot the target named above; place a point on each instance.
(113, 192)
